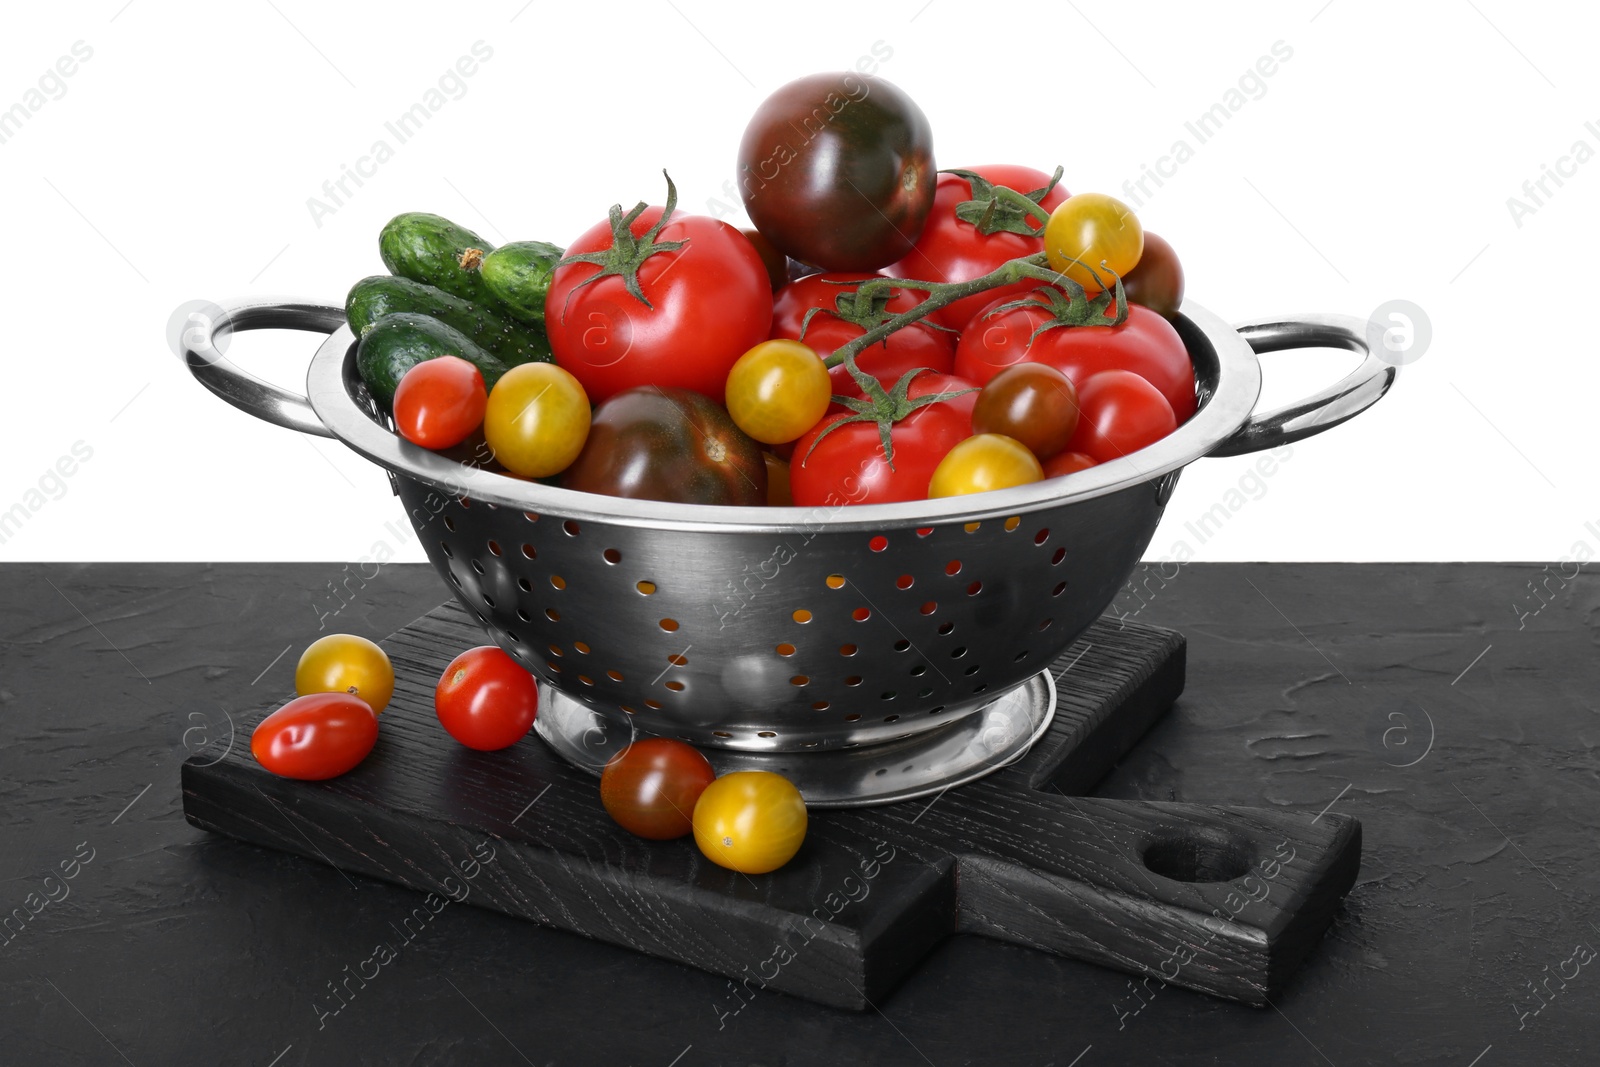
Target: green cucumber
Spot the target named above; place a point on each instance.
(518, 275)
(382, 294)
(399, 341)
(435, 251)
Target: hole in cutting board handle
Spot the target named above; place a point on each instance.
(1188, 856)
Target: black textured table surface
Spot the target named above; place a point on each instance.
(1452, 708)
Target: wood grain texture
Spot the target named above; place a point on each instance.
(1021, 855)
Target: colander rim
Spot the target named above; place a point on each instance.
(1227, 371)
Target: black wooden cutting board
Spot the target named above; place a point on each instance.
(1219, 899)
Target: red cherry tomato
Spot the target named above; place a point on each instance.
(651, 787)
(317, 736)
(1067, 463)
(1145, 343)
(954, 250)
(848, 465)
(485, 699)
(710, 301)
(440, 402)
(915, 346)
(1119, 413)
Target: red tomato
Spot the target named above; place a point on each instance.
(1067, 463)
(1119, 412)
(953, 250)
(906, 349)
(651, 787)
(1145, 344)
(485, 699)
(440, 402)
(710, 301)
(317, 736)
(848, 465)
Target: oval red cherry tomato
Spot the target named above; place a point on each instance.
(651, 787)
(485, 699)
(1032, 403)
(1067, 463)
(1157, 282)
(1145, 343)
(440, 402)
(848, 465)
(914, 346)
(710, 301)
(1120, 413)
(955, 250)
(317, 736)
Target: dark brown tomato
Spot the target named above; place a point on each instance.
(1032, 403)
(676, 445)
(776, 262)
(1156, 282)
(837, 170)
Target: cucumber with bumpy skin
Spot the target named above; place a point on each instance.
(435, 251)
(397, 342)
(518, 275)
(511, 341)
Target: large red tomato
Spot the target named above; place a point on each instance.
(909, 348)
(952, 249)
(1145, 343)
(708, 302)
(848, 465)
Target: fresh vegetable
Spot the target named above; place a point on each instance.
(975, 228)
(676, 445)
(518, 275)
(346, 663)
(778, 493)
(750, 821)
(1157, 280)
(845, 459)
(536, 420)
(317, 736)
(651, 787)
(1007, 333)
(778, 390)
(1091, 233)
(984, 462)
(837, 170)
(435, 251)
(485, 699)
(1120, 413)
(829, 310)
(654, 298)
(776, 262)
(1029, 402)
(396, 343)
(440, 402)
(507, 340)
(1067, 463)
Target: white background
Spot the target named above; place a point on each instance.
(178, 162)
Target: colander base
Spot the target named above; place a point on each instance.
(999, 732)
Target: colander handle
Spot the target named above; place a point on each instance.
(1342, 400)
(267, 402)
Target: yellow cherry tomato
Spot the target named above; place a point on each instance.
(537, 420)
(345, 663)
(1093, 229)
(979, 464)
(750, 821)
(778, 390)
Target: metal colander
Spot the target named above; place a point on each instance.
(789, 629)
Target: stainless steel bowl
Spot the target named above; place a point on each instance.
(783, 630)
